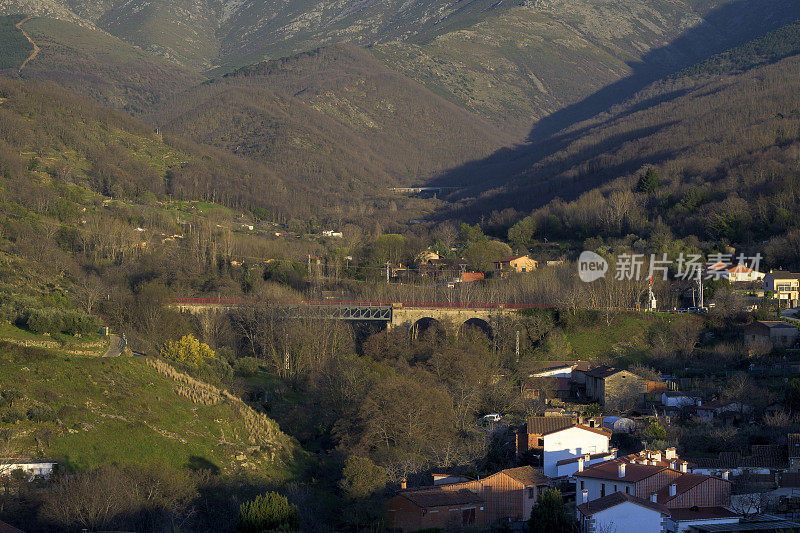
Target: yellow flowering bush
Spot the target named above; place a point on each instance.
(187, 350)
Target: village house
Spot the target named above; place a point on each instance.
(614, 387)
(553, 439)
(514, 264)
(775, 332)
(686, 519)
(32, 468)
(568, 467)
(723, 412)
(784, 286)
(735, 273)
(794, 452)
(508, 495)
(553, 379)
(672, 486)
(621, 513)
(760, 465)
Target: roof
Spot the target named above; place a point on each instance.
(771, 457)
(605, 371)
(700, 513)
(436, 497)
(783, 274)
(8, 528)
(540, 425)
(544, 366)
(617, 498)
(756, 523)
(592, 457)
(684, 483)
(510, 258)
(599, 431)
(775, 324)
(609, 470)
(526, 475)
(677, 394)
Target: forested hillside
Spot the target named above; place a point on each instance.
(723, 152)
(14, 47)
(334, 120)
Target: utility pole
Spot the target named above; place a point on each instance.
(517, 346)
(387, 271)
(700, 287)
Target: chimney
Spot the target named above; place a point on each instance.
(654, 498)
(613, 452)
(725, 474)
(587, 457)
(673, 464)
(403, 484)
(621, 470)
(671, 453)
(580, 464)
(585, 495)
(656, 456)
(673, 490)
(684, 466)
(653, 462)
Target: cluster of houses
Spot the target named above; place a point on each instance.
(650, 491)
(429, 264)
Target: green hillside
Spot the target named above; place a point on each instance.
(14, 47)
(93, 63)
(86, 411)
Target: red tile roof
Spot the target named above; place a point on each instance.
(617, 498)
(610, 470)
(701, 513)
(684, 483)
(540, 425)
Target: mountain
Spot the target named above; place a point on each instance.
(334, 119)
(520, 65)
(93, 63)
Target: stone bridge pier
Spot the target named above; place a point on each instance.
(452, 319)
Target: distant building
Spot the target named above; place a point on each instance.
(735, 273)
(31, 467)
(621, 513)
(556, 438)
(775, 332)
(785, 286)
(612, 386)
(679, 399)
(515, 264)
(508, 495)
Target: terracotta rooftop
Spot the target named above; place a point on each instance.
(617, 498)
(684, 483)
(701, 513)
(610, 470)
(436, 497)
(539, 425)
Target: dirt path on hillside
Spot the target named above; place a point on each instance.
(35, 46)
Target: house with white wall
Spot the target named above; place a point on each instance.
(679, 399)
(31, 467)
(622, 513)
(570, 443)
(568, 467)
(682, 520)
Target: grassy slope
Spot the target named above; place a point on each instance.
(124, 411)
(93, 63)
(14, 47)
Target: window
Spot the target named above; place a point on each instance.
(531, 493)
(581, 484)
(615, 488)
(627, 490)
(541, 443)
(602, 489)
(468, 516)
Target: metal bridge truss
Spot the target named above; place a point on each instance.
(338, 312)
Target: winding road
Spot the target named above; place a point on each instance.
(35, 51)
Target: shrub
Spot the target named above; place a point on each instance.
(268, 512)
(12, 417)
(41, 413)
(247, 366)
(187, 350)
(53, 321)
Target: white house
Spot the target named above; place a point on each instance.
(678, 399)
(32, 467)
(569, 443)
(622, 513)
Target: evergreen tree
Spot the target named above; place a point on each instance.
(550, 515)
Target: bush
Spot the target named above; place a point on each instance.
(53, 321)
(12, 417)
(41, 413)
(247, 366)
(268, 512)
(187, 350)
